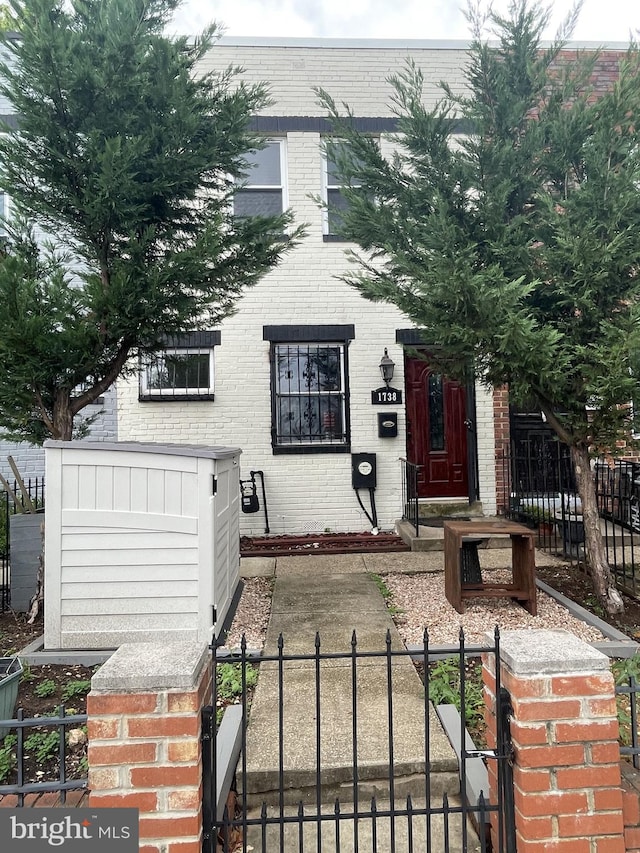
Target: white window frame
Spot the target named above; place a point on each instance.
(327, 187)
(168, 394)
(283, 187)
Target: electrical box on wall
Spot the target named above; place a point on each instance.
(387, 424)
(363, 470)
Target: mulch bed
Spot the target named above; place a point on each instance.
(320, 543)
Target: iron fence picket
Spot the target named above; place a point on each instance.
(329, 814)
(631, 689)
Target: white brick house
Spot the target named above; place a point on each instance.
(295, 367)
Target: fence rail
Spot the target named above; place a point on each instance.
(17, 746)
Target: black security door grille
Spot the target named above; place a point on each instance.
(399, 813)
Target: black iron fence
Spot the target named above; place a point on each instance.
(627, 673)
(410, 501)
(49, 749)
(540, 491)
(618, 494)
(33, 492)
(319, 766)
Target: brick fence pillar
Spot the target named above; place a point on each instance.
(144, 740)
(565, 736)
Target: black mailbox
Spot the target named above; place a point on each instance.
(387, 424)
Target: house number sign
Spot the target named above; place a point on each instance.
(386, 397)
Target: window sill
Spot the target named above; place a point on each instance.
(335, 238)
(304, 449)
(176, 398)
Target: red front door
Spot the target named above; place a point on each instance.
(436, 431)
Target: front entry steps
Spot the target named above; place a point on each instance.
(431, 536)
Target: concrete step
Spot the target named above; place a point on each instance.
(432, 538)
(429, 509)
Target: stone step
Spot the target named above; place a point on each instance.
(432, 538)
(428, 509)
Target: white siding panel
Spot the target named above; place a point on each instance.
(130, 521)
(156, 486)
(116, 637)
(87, 486)
(139, 489)
(121, 488)
(144, 622)
(104, 488)
(171, 571)
(133, 589)
(86, 607)
(129, 557)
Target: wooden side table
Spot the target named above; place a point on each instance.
(523, 583)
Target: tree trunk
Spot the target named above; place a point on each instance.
(596, 559)
(62, 417)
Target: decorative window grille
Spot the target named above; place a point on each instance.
(310, 395)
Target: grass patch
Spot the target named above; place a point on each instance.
(386, 593)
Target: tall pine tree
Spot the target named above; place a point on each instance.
(515, 247)
(125, 154)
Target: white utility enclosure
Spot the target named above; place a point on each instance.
(142, 542)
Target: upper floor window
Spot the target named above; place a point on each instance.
(333, 186)
(262, 192)
(184, 370)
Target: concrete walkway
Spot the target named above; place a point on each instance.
(336, 596)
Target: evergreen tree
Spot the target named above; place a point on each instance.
(515, 247)
(125, 154)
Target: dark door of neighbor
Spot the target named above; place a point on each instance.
(436, 431)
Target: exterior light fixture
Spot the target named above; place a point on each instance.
(386, 368)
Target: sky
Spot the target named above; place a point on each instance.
(603, 21)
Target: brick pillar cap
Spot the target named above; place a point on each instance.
(528, 652)
(144, 667)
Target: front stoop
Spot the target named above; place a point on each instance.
(432, 538)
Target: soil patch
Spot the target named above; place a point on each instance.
(41, 693)
(576, 584)
(320, 543)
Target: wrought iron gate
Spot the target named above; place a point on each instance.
(271, 803)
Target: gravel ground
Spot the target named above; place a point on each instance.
(252, 615)
(421, 600)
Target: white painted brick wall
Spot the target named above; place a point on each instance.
(356, 75)
(307, 492)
